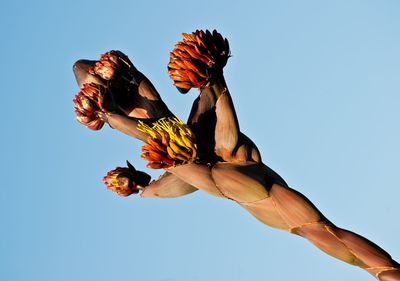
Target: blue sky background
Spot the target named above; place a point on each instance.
(315, 84)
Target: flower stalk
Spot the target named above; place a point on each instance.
(210, 153)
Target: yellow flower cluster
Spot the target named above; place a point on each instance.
(170, 143)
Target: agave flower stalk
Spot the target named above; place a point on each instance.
(243, 178)
(211, 153)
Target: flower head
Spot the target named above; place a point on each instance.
(91, 99)
(170, 143)
(197, 59)
(126, 180)
(131, 92)
(111, 65)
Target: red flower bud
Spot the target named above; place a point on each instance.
(126, 180)
(113, 64)
(196, 60)
(91, 99)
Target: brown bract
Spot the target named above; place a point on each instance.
(195, 61)
(91, 99)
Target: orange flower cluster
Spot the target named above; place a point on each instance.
(91, 99)
(120, 181)
(112, 64)
(156, 153)
(198, 59)
(126, 180)
(170, 143)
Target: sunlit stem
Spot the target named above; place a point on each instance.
(219, 86)
(227, 127)
(126, 125)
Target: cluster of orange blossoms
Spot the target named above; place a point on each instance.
(194, 62)
(125, 180)
(91, 99)
(170, 143)
(111, 64)
(197, 59)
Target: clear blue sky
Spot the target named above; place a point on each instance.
(316, 86)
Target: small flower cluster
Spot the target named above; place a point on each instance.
(126, 180)
(91, 99)
(196, 60)
(170, 143)
(111, 65)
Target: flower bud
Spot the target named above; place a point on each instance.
(91, 99)
(131, 93)
(198, 59)
(126, 180)
(113, 64)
